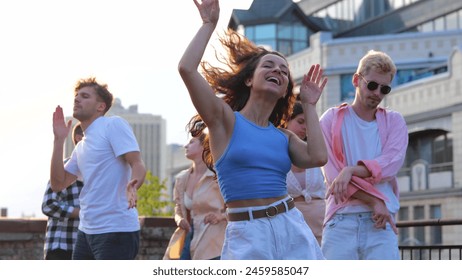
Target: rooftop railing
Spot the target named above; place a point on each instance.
(431, 252)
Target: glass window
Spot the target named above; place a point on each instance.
(419, 213)
(347, 88)
(342, 10)
(350, 10)
(267, 43)
(434, 147)
(436, 231)
(299, 46)
(435, 212)
(250, 32)
(460, 19)
(403, 215)
(412, 152)
(265, 31)
(419, 232)
(300, 33)
(451, 21)
(404, 76)
(285, 47)
(426, 27)
(286, 38)
(439, 24)
(284, 31)
(409, 75)
(442, 149)
(425, 146)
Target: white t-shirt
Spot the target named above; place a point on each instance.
(362, 140)
(97, 161)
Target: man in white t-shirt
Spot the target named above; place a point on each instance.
(108, 161)
(366, 146)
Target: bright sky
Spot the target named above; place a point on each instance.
(46, 46)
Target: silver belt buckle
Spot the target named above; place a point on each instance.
(268, 214)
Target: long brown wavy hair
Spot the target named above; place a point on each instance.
(241, 61)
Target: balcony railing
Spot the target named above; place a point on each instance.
(431, 252)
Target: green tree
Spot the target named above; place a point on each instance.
(153, 199)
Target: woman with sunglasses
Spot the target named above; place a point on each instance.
(366, 145)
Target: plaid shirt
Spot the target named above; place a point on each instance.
(61, 230)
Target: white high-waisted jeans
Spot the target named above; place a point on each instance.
(285, 236)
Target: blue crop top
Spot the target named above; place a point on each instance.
(255, 163)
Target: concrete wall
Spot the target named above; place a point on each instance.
(23, 239)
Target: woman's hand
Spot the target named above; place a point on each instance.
(184, 225)
(212, 218)
(209, 10)
(312, 85)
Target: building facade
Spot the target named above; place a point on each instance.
(424, 38)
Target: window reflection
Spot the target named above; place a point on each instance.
(287, 38)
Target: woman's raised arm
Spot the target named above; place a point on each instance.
(207, 104)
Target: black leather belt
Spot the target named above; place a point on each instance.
(269, 212)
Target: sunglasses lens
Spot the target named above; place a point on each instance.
(372, 85)
(385, 89)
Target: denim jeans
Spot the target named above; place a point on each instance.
(353, 236)
(186, 252)
(285, 236)
(106, 246)
(59, 254)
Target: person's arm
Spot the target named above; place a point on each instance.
(214, 218)
(340, 185)
(138, 176)
(181, 218)
(211, 108)
(385, 167)
(52, 206)
(342, 189)
(380, 214)
(313, 152)
(59, 178)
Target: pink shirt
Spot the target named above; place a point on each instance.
(394, 138)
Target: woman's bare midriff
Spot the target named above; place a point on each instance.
(253, 202)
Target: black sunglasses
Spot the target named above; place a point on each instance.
(371, 85)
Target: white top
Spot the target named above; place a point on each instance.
(314, 185)
(97, 160)
(187, 201)
(363, 141)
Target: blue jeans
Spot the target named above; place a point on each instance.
(353, 236)
(186, 251)
(106, 246)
